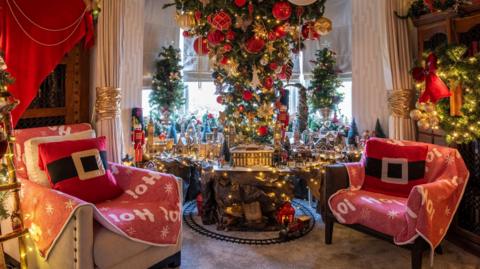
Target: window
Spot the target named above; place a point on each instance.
(200, 95)
(200, 98)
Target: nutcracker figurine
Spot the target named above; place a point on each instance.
(138, 139)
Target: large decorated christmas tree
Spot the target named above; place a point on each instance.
(249, 44)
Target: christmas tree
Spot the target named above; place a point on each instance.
(353, 133)
(167, 86)
(379, 130)
(249, 44)
(324, 86)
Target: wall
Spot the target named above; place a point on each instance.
(369, 56)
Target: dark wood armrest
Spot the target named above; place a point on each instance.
(336, 178)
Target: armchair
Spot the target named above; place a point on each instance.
(418, 221)
(83, 242)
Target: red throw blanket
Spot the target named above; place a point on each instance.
(428, 210)
(149, 211)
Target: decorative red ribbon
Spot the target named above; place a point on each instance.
(435, 88)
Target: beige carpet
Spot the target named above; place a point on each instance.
(350, 249)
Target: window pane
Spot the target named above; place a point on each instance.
(202, 98)
(145, 104)
(346, 106)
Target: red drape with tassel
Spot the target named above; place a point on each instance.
(34, 36)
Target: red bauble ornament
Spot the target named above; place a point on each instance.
(227, 47)
(230, 35)
(280, 31)
(198, 15)
(268, 83)
(308, 31)
(220, 99)
(200, 46)
(215, 37)
(221, 20)
(254, 45)
(240, 3)
(241, 108)
(186, 34)
(262, 130)
(247, 95)
(273, 66)
(224, 60)
(282, 10)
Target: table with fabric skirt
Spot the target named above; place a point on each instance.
(188, 169)
(237, 198)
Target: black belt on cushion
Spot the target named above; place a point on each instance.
(395, 168)
(89, 164)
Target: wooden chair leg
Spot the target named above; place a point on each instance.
(417, 253)
(329, 222)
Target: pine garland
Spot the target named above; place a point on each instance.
(324, 86)
(420, 7)
(454, 65)
(167, 86)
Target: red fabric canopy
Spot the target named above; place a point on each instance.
(35, 36)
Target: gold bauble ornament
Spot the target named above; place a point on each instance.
(323, 26)
(423, 124)
(416, 114)
(185, 21)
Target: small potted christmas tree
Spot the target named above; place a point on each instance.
(324, 94)
(167, 86)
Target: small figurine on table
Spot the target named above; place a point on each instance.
(138, 139)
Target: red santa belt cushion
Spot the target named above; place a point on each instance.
(393, 168)
(79, 168)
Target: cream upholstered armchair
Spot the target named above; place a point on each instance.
(84, 243)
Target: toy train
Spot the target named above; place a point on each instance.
(296, 228)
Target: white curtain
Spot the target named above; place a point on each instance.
(369, 55)
(107, 72)
(400, 62)
(118, 63)
(160, 30)
(339, 39)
